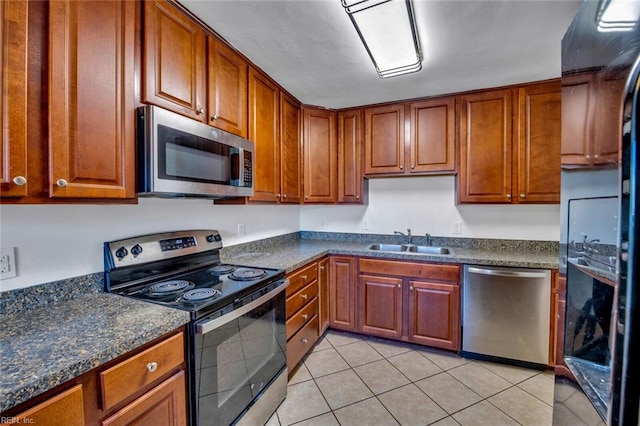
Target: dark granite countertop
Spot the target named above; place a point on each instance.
(294, 253)
(52, 344)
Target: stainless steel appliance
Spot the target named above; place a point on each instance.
(506, 314)
(181, 157)
(597, 374)
(236, 345)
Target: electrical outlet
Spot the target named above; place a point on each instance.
(365, 225)
(457, 228)
(241, 229)
(8, 263)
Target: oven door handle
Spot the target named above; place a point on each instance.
(237, 313)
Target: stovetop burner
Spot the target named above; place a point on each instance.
(221, 269)
(167, 288)
(247, 274)
(199, 294)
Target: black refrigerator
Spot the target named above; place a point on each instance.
(597, 374)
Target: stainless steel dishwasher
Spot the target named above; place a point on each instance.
(506, 314)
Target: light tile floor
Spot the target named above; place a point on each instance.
(349, 379)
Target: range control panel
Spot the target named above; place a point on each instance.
(153, 247)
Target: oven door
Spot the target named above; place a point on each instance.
(236, 357)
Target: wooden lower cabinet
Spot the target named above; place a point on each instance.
(380, 306)
(342, 303)
(166, 404)
(411, 301)
(434, 314)
(63, 409)
(121, 392)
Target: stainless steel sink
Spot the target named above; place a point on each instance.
(388, 247)
(428, 250)
(410, 249)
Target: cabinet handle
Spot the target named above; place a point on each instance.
(322, 268)
(20, 180)
(278, 195)
(304, 341)
(305, 316)
(509, 196)
(200, 111)
(523, 196)
(587, 157)
(304, 296)
(357, 197)
(152, 366)
(306, 197)
(214, 117)
(401, 167)
(595, 157)
(411, 287)
(284, 195)
(399, 285)
(304, 277)
(413, 167)
(61, 183)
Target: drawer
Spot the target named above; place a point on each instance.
(298, 319)
(301, 298)
(429, 271)
(63, 409)
(301, 343)
(126, 378)
(301, 278)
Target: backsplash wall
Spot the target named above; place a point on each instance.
(55, 242)
(427, 204)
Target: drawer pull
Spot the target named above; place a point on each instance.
(304, 341)
(305, 316)
(304, 277)
(152, 366)
(304, 296)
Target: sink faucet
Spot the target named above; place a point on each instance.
(429, 239)
(408, 234)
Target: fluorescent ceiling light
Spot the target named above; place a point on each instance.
(618, 15)
(388, 30)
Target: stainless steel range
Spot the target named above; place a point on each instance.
(236, 344)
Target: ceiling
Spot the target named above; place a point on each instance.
(311, 48)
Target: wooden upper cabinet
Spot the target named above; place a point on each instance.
(227, 84)
(91, 99)
(174, 61)
(608, 120)
(384, 140)
(577, 113)
(320, 155)
(290, 150)
(350, 139)
(13, 108)
(264, 132)
(432, 145)
(485, 147)
(538, 144)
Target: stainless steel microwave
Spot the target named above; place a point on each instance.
(181, 157)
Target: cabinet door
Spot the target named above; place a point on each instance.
(380, 306)
(342, 293)
(263, 131)
(323, 283)
(434, 314)
(166, 404)
(577, 114)
(13, 108)
(320, 155)
(350, 179)
(227, 99)
(290, 158)
(608, 120)
(432, 136)
(64, 409)
(538, 144)
(91, 100)
(485, 147)
(384, 151)
(174, 55)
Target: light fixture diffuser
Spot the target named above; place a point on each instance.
(388, 31)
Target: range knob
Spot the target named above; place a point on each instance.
(136, 250)
(121, 253)
(213, 237)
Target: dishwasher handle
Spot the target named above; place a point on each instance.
(507, 273)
